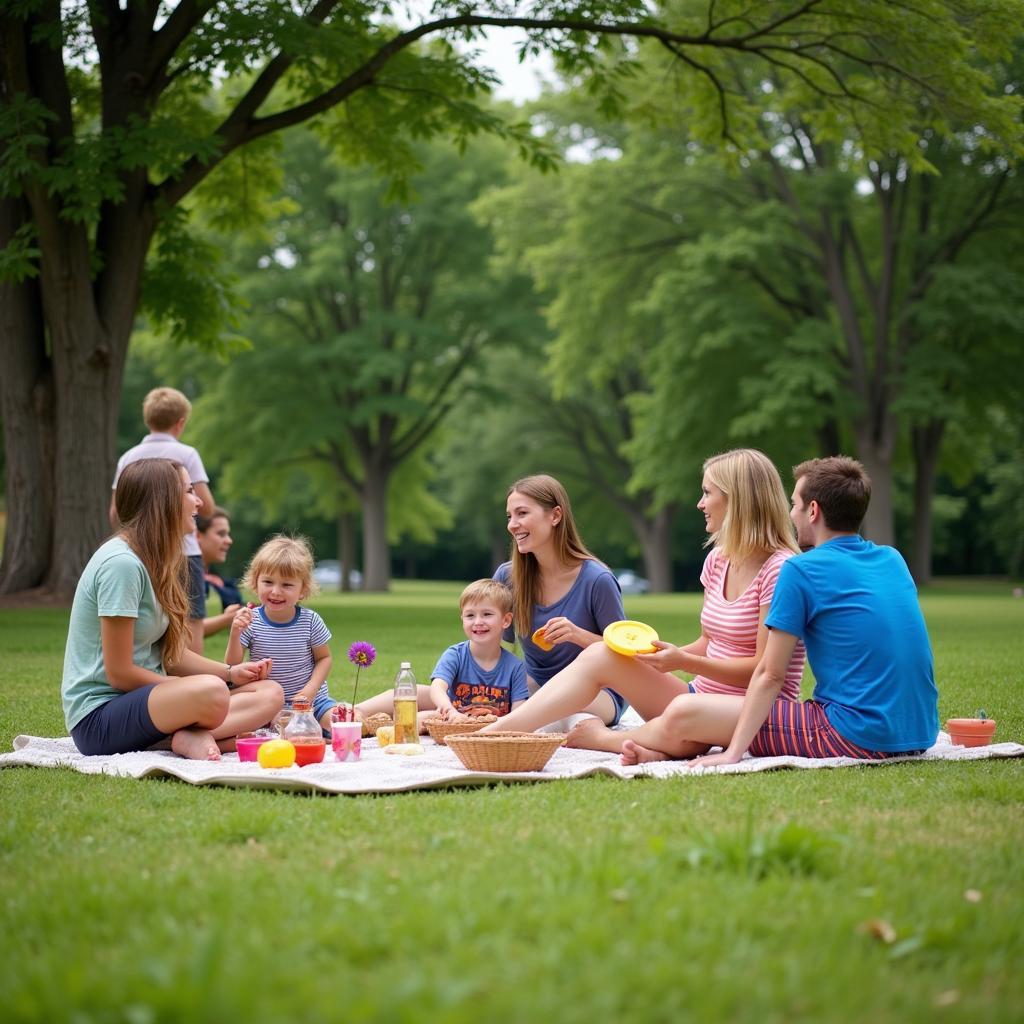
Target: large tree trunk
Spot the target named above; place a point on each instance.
(346, 549)
(655, 536)
(927, 442)
(376, 553)
(877, 460)
(27, 411)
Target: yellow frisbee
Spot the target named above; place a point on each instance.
(629, 637)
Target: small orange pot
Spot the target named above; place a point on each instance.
(971, 732)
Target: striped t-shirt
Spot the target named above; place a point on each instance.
(290, 644)
(731, 626)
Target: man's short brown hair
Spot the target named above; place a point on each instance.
(163, 407)
(841, 487)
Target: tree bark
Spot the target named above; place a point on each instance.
(655, 536)
(376, 553)
(876, 458)
(346, 549)
(27, 411)
(927, 443)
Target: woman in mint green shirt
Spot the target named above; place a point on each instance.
(130, 682)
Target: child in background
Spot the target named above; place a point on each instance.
(295, 638)
(474, 677)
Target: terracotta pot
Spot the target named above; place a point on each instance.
(971, 732)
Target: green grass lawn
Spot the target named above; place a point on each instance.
(748, 898)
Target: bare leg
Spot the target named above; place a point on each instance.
(635, 753)
(690, 725)
(198, 710)
(578, 688)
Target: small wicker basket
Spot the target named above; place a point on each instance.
(506, 751)
(374, 722)
(439, 729)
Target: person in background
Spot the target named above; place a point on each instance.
(214, 544)
(165, 412)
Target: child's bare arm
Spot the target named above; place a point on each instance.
(321, 669)
(235, 652)
(439, 695)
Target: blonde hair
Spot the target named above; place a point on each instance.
(148, 502)
(756, 509)
(569, 546)
(487, 591)
(290, 557)
(163, 407)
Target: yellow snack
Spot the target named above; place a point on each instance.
(276, 754)
(541, 640)
(386, 736)
(405, 749)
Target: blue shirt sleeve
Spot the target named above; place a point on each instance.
(503, 574)
(789, 610)
(447, 666)
(606, 600)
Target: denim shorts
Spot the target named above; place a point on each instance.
(122, 724)
(196, 588)
(322, 703)
(620, 703)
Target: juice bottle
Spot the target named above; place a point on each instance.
(304, 732)
(406, 726)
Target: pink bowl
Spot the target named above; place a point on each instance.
(249, 745)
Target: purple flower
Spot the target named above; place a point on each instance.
(362, 655)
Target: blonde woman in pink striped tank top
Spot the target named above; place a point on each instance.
(746, 515)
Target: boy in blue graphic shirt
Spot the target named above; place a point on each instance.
(478, 676)
(474, 677)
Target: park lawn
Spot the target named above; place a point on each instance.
(887, 894)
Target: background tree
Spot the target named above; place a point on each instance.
(366, 313)
(106, 133)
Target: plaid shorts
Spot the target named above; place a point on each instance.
(802, 729)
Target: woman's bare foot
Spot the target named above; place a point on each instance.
(195, 744)
(593, 734)
(636, 753)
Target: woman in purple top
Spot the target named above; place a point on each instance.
(562, 596)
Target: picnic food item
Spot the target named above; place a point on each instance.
(374, 722)
(629, 637)
(406, 726)
(440, 729)
(304, 732)
(276, 754)
(506, 751)
(404, 749)
(385, 736)
(540, 640)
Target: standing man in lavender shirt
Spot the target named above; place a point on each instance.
(165, 412)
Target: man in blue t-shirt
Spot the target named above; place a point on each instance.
(855, 607)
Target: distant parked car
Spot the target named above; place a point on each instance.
(630, 582)
(328, 574)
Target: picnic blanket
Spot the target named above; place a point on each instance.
(437, 768)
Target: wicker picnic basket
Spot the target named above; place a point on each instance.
(506, 751)
(374, 722)
(439, 729)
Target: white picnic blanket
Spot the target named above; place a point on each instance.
(437, 768)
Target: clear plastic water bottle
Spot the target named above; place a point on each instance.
(406, 725)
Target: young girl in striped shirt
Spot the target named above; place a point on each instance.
(746, 516)
(293, 637)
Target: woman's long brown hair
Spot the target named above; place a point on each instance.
(569, 547)
(148, 504)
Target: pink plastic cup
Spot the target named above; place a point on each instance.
(248, 745)
(346, 740)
